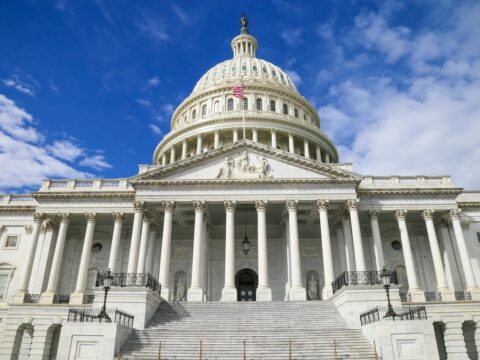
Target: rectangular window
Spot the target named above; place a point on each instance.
(478, 237)
(11, 242)
(3, 286)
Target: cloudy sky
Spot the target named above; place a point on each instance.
(87, 88)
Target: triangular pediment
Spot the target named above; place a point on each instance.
(247, 161)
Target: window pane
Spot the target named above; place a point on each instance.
(259, 104)
(11, 241)
(3, 285)
(272, 105)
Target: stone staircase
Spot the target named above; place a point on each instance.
(266, 328)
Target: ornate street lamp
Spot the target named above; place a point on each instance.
(386, 281)
(246, 242)
(107, 283)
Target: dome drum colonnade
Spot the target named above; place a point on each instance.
(276, 114)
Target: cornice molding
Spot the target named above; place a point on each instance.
(84, 195)
(412, 191)
(14, 208)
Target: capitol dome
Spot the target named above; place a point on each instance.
(273, 113)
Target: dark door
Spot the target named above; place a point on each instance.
(246, 282)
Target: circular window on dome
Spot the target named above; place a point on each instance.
(264, 69)
(97, 247)
(254, 68)
(274, 73)
(396, 245)
(244, 68)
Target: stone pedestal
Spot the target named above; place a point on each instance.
(18, 297)
(264, 294)
(475, 293)
(195, 294)
(297, 294)
(447, 294)
(229, 294)
(76, 298)
(165, 293)
(416, 295)
(47, 297)
(327, 292)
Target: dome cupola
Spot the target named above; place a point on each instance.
(244, 44)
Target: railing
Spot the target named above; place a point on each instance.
(88, 299)
(401, 313)
(32, 298)
(463, 295)
(398, 181)
(92, 315)
(61, 299)
(433, 296)
(130, 279)
(405, 296)
(361, 278)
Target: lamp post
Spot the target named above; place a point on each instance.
(246, 242)
(107, 283)
(385, 276)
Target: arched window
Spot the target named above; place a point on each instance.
(295, 112)
(216, 106)
(204, 110)
(6, 272)
(194, 114)
(259, 104)
(272, 105)
(230, 104)
(245, 104)
(285, 109)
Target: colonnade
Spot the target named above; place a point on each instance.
(354, 254)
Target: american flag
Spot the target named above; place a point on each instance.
(237, 91)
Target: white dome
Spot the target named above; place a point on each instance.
(244, 68)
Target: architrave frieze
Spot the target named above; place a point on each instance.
(84, 195)
(14, 208)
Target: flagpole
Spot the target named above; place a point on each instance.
(243, 110)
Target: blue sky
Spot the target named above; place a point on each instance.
(87, 88)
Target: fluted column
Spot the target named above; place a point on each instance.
(413, 288)
(172, 155)
(352, 206)
(306, 149)
(195, 293)
(151, 251)
(77, 296)
(377, 240)
(216, 140)
(116, 239)
(184, 149)
(25, 279)
(48, 296)
(164, 273)
(229, 292)
(291, 144)
(455, 340)
(145, 236)
(347, 236)
(199, 144)
(442, 287)
(139, 207)
(297, 290)
(328, 272)
(274, 139)
(264, 292)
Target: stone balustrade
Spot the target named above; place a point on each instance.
(86, 185)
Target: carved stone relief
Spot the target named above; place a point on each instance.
(245, 166)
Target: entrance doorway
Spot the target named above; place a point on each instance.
(246, 282)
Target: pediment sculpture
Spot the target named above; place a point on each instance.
(245, 168)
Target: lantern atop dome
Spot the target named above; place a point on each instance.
(244, 44)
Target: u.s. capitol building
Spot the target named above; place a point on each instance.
(247, 236)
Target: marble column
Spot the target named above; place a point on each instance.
(145, 236)
(229, 292)
(199, 144)
(172, 155)
(306, 149)
(347, 236)
(254, 135)
(377, 240)
(274, 139)
(464, 256)
(205, 253)
(413, 288)
(287, 253)
(116, 240)
(318, 154)
(164, 273)
(264, 292)
(164, 159)
(151, 249)
(352, 206)
(195, 293)
(442, 287)
(477, 335)
(235, 135)
(139, 207)
(328, 272)
(216, 140)
(77, 296)
(291, 144)
(455, 340)
(297, 290)
(184, 149)
(19, 297)
(52, 286)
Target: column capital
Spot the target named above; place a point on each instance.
(352, 204)
(168, 206)
(91, 217)
(230, 205)
(48, 225)
(454, 214)
(28, 229)
(38, 217)
(64, 217)
(118, 216)
(373, 214)
(322, 204)
(147, 216)
(291, 205)
(400, 214)
(261, 205)
(427, 214)
(199, 206)
(139, 206)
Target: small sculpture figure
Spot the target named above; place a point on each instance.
(244, 162)
(226, 171)
(264, 168)
(312, 288)
(244, 23)
(180, 290)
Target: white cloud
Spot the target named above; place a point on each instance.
(14, 83)
(65, 149)
(156, 129)
(97, 162)
(153, 27)
(181, 14)
(168, 108)
(292, 36)
(143, 102)
(16, 122)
